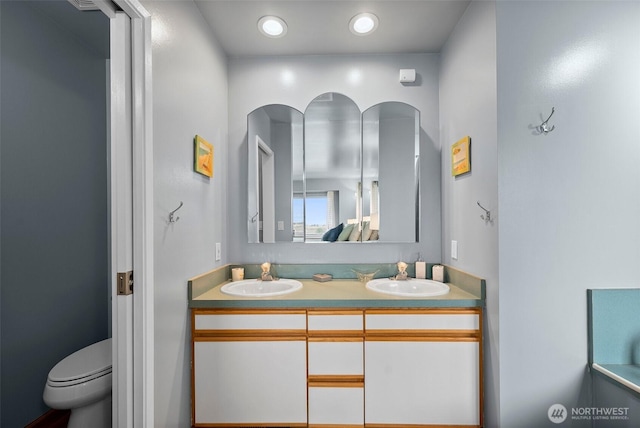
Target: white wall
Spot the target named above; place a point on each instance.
(296, 81)
(569, 201)
(468, 107)
(189, 98)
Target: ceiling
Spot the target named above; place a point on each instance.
(318, 27)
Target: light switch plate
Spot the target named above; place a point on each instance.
(218, 251)
(454, 250)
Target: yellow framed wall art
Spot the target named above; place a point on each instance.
(203, 154)
(461, 157)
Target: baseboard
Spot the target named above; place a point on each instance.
(52, 419)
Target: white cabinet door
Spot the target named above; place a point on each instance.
(250, 382)
(422, 382)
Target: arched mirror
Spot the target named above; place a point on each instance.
(275, 140)
(391, 171)
(333, 174)
(332, 167)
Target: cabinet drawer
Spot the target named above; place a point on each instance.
(251, 321)
(436, 321)
(338, 406)
(320, 321)
(335, 358)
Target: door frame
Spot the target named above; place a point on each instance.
(132, 211)
(266, 191)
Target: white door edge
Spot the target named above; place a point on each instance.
(132, 242)
(121, 217)
(143, 230)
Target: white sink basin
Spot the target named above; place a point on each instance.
(411, 287)
(258, 288)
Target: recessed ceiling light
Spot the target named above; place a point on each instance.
(363, 24)
(272, 26)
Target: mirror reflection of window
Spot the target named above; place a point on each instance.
(321, 212)
(375, 206)
(298, 217)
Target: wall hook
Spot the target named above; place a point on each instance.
(487, 214)
(171, 219)
(543, 128)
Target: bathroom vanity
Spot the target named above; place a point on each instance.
(335, 355)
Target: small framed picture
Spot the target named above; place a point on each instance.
(203, 154)
(461, 157)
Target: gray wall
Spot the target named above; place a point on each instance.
(189, 97)
(468, 107)
(568, 201)
(296, 81)
(54, 202)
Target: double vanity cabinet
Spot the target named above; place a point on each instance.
(336, 367)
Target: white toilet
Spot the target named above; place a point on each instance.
(82, 383)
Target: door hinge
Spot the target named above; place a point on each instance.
(125, 283)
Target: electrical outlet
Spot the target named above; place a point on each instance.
(218, 251)
(280, 225)
(454, 250)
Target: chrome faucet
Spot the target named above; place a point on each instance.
(266, 272)
(402, 272)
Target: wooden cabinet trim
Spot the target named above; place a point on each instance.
(335, 426)
(423, 335)
(246, 311)
(336, 381)
(320, 312)
(335, 335)
(336, 338)
(248, 335)
(420, 311)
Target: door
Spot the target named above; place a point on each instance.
(131, 189)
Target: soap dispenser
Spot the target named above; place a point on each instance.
(421, 268)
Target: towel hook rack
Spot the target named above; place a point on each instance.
(543, 128)
(487, 214)
(171, 214)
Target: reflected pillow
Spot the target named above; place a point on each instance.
(355, 233)
(332, 234)
(366, 232)
(346, 231)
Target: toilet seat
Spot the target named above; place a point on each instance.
(87, 364)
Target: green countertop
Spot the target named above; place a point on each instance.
(204, 292)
